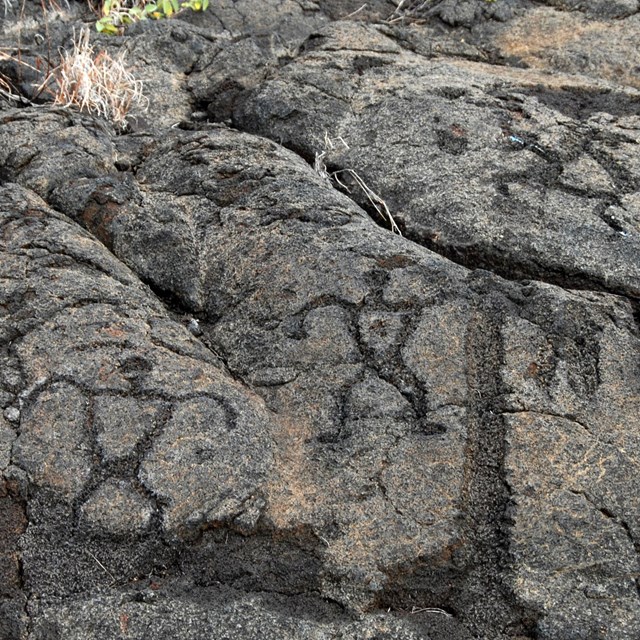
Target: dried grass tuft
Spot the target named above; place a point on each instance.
(96, 82)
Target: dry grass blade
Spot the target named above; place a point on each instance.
(374, 199)
(6, 91)
(408, 10)
(320, 167)
(415, 610)
(7, 86)
(96, 82)
(356, 12)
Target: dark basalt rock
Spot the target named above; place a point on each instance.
(234, 405)
(475, 165)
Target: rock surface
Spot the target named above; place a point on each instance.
(236, 405)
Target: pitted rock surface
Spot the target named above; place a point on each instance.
(234, 404)
(546, 195)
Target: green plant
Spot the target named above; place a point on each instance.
(117, 14)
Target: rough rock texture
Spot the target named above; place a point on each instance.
(235, 405)
(548, 193)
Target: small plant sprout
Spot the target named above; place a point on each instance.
(96, 82)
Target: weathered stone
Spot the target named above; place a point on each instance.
(122, 424)
(229, 615)
(207, 463)
(12, 414)
(12, 524)
(76, 147)
(7, 436)
(570, 543)
(53, 445)
(278, 415)
(570, 464)
(64, 557)
(572, 42)
(118, 509)
(449, 122)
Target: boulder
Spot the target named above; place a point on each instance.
(237, 402)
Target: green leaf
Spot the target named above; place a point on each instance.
(106, 26)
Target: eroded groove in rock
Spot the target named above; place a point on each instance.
(488, 493)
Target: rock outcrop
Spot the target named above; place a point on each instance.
(236, 404)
